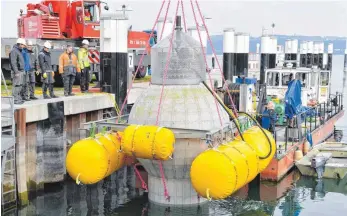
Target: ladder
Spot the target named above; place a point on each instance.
(8, 152)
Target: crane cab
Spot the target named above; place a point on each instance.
(85, 19)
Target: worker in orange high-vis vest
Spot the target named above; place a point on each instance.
(68, 66)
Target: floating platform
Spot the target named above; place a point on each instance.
(284, 161)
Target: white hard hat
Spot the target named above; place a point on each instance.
(85, 41)
(21, 41)
(47, 44)
(29, 43)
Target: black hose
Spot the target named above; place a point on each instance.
(226, 109)
(268, 139)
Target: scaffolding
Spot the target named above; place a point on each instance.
(8, 152)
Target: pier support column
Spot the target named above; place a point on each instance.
(241, 54)
(21, 156)
(33, 158)
(229, 54)
(303, 54)
(114, 56)
(309, 55)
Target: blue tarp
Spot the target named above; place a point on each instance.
(293, 99)
(293, 103)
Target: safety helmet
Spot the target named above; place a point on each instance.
(85, 41)
(47, 44)
(21, 41)
(29, 43)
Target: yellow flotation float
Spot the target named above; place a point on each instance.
(92, 159)
(148, 142)
(217, 173)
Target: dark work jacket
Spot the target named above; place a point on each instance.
(46, 67)
(45, 61)
(16, 60)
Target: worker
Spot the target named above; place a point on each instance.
(84, 65)
(24, 93)
(17, 70)
(269, 118)
(31, 67)
(47, 74)
(87, 16)
(68, 66)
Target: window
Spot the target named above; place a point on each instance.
(249, 66)
(313, 80)
(273, 78)
(303, 77)
(91, 12)
(324, 78)
(79, 14)
(286, 77)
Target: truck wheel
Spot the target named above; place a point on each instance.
(141, 72)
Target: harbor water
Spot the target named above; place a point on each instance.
(116, 195)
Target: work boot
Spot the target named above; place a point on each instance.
(46, 96)
(33, 98)
(18, 102)
(54, 96)
(26, 99)
(71, 94)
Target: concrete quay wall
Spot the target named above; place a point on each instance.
(45, 129)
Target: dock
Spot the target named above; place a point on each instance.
(44, 131)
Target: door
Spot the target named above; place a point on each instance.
(324, 80)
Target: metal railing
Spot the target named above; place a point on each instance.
(309, 120)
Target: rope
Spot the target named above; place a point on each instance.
(143, 183)
(167, 10)
(214, 53)
(140, 62)
(162, 174)
(204, 54)
(184, 17)
(167, 65)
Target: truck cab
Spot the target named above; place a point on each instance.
(85, 19)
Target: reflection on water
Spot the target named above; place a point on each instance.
(294, 195)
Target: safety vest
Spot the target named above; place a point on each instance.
(83, 59)
(66, 62)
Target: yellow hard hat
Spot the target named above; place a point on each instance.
(44, 75)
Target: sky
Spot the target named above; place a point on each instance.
(311, 18)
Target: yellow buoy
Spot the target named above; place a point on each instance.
(217, 173)
(148, 142)
(259, 142)
(92, 159)
(306, 147)
(298, 155)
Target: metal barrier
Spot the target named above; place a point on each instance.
(310, 119)
(8, 154)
